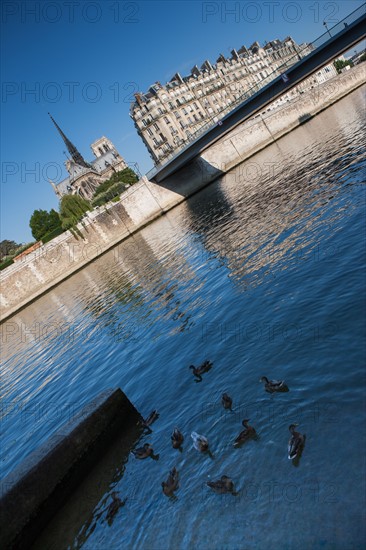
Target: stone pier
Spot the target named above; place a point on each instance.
(33, 492)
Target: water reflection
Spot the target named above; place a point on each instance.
(277, 217)
(259, 273)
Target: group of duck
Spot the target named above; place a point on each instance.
(200, 442)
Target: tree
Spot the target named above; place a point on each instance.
(43, 222)
(7, 247)
(127, 176)
(72, 209)
(112, 192)
(340, 64)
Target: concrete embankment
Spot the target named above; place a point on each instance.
(41, 484)
(145, 201)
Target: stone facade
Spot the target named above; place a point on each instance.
(166, 117)
(85, 177)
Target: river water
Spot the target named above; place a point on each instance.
(262, 273)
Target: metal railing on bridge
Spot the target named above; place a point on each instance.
(301, 53)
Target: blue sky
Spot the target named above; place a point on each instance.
(83, 60)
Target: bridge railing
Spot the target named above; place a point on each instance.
(301, 52)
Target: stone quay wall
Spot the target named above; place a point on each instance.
(145, 201)
(37, 488)
(252, 136)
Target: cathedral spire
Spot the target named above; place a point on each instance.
(75, 155)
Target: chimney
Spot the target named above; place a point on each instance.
(138, 99)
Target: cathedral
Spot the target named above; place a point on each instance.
(85, 177)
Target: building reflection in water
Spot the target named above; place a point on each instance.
(269, 209)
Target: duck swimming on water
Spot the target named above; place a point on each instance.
(296, 443)
(272, 386)
(200, 442)
(223, 485)
(154, 415)
(144, 452)
(198, 371)
(246, 434)
(172, 483)
(114, 506)
(177, 438)
(226, 401)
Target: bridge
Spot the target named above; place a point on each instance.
(337, 40)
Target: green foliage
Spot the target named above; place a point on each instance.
(8, 259)
(126, 176)
(8, 248)
(5, 264)
(340, 64)
(43, 222)
(362, 58)
(113, 192)
(72, 209)
(52, 234)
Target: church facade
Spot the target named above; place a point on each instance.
(85, 177)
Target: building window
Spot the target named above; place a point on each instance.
(149, 131)
(166, 120)
(156, 127)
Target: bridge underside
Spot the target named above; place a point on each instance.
(351, 35)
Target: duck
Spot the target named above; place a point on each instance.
(114, 506)
(143, 452)
(154, 415)
(198, 371)
(172, 483)
(223, 485)
(226, 401)
(246, 434)
(177, 438)
(272, 386)
(296, 443)
(200, 442)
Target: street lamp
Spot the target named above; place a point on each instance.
(325, 25)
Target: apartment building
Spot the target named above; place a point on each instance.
(167, 116)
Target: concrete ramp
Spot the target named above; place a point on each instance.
(42, 483)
